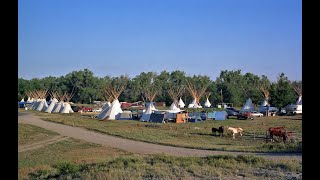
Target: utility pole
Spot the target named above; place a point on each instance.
(221, 96)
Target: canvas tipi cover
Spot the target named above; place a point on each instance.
(248, 106)
(146, 115)
(181, 103)
(51, 106)
(207, 103)
(103, 114)
(43, 105)
(114, 111)
(66, 108)
(174, 107)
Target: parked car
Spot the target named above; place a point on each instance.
(231, 112)
(245, 115)
(232, 109)
(97, 110)
(256, 114)
(86, 109)
(75, 108)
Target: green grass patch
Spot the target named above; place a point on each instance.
(28, 133)
(192, 135)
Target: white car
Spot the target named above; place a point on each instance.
(97, 110)
(256, 114)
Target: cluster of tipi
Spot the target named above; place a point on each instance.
(59, 103)
(113, 110)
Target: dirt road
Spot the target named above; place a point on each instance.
(136, 147)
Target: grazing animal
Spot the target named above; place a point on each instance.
(220, 130)
(234, 131)
(279, 132)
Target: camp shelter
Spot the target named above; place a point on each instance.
(125, 115)
(221, 115)
(156, 118)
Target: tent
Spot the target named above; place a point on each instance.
(43, 105)
(195, 119)
(53, 102)
(157, 118)
(66, 105)
(220, 115)
(174, 92)
(115, 110)
(34, 105)
(181, 103)
(103, 114)
(207, 103)
(298, 89)
(248, 106)
(196, 91)
(265, 103)
(297, 107)
(211, 115)
(105, 108)
(150, 92)
(59, 105)
(126, 115)
(113, 90)
(146, 114)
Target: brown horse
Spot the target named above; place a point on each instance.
(277, 131)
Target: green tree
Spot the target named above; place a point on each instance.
(281, 92)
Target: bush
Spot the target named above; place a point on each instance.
(66, 167)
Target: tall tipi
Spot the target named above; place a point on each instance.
(59, 105)
(115, 88)
(107, 97)
(196, 90)
(66, 105)
(54, 96)
(174, 93)
(264, 89)
(150, 92)
(248, 106)
(181, 103)
(207, 103)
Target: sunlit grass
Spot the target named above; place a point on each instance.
(193, 135)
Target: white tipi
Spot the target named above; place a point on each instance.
(66, 105)
(114, 89)
(53, 102)
(150, 93)
(207, 103)
(105, 108)
(196, 92)
(174, 93)
(59, 105)
(43, 105)
(265, 102)
(181, 103)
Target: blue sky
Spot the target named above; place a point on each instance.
(201, 37)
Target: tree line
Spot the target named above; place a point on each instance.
(230, 87)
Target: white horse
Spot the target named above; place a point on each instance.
(234, 131)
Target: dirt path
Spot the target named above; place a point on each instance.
(136, 147)
(40, 144)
